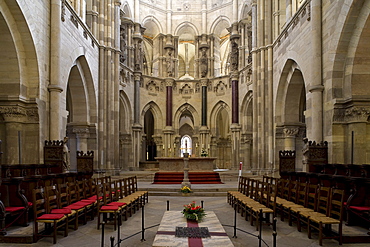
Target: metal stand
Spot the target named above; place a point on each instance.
(142, 225)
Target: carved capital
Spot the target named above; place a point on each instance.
(19, 113)
(291, 131)
(357, 114)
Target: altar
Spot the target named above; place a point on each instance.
(195, 163)
(171, 219)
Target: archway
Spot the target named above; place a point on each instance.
(81, 110)
(290, 112)
(150, 145)
(20, 129)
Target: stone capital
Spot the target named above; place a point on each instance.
(291, 131)
(55, 88)
(169, 82)
(204, 82)
(315, 88)
(18, 114)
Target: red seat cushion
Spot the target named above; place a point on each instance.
(119, 204)
(50, 217)
(109, 208)
(81, 203)
(75, 207)
(13, 209)
(94, 198)
(360, 208)
(61, 211)
(88, 201)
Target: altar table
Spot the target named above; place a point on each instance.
(171, 219)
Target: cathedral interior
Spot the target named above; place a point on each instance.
(128, 83)
(135, 80)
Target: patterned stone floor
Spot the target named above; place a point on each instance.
(88, 235)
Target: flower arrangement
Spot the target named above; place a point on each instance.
(193, 212)
(185, 189)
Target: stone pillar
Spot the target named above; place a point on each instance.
(169, 16)
(55, 129)
(316, 88)
(55, 88)
(13, 119)
(168, 132)
(235, 131)
(137, 11)
(204, 83)
(204, 16)
(169, 92)
(254, 164)
(288, 10)
(204, 139)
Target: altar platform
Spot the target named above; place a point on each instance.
(195, 163)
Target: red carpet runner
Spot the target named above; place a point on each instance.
(194, 177)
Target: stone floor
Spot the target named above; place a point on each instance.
(88, 235)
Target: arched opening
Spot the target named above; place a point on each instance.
(186, 145)
(223, 140)
(150, 146)
(290, 112)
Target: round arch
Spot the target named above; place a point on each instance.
(24, 59)
(153, 25)
(186, 24)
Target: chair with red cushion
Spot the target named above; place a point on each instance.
(53, 197)
(52, 222)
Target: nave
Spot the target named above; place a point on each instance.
(88, 235)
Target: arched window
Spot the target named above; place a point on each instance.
(186, 145)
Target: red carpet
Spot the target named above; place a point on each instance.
(194, 177)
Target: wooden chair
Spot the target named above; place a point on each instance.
(53, 198)
(321, 207)
(52, 222)
(74, 203)
(108, 209)
(334, 216)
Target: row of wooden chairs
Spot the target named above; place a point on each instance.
(252, 199)
(309, 204)
(59, 206)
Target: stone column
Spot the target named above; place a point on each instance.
(316, 88)
(204, 83)
(288, 10)
(254, 164)
(55, 129)
(55, 88)
(204, 16)
(13, 118)
(169, 92)
(169, 16)
(235, 131)
(137, 128)
(137, 11)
